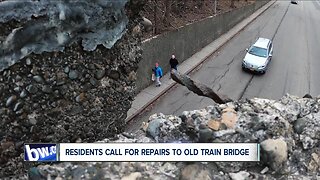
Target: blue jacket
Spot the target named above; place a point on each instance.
(158, 71)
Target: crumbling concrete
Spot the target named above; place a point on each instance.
(198, 88)
(264, 121)
(67, 72)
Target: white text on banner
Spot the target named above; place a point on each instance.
(153, 152)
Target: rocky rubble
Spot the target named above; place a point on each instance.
(288, 131)
(67, 72)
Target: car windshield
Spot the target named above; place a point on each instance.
(257, 51)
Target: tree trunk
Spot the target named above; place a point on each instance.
(175, 7)
(217, 3)
(232, 4)
(214, 7)
(155, 10)
(167, 11)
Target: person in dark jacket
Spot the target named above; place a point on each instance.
(173, 62)
(157, 70)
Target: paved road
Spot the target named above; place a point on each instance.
(294, 69)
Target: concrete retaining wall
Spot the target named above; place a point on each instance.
(187, 40)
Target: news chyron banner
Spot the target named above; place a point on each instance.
(143, 152)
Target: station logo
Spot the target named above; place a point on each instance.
(40, 152)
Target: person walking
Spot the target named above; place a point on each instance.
(157, 70)
(173, 62)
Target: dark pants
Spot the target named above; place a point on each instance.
(174, 67)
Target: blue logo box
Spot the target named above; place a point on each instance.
(40, 152)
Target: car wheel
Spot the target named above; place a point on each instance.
(263, 72)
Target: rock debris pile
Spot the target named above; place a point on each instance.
(67, 72)
(288, 131)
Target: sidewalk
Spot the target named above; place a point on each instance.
(152, 93)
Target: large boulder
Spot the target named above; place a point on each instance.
(274, 152)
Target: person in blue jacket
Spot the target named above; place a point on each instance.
(157, 70)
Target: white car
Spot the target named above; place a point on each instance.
(258, 56)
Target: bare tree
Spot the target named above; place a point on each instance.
(167, 11)
(155, 11)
